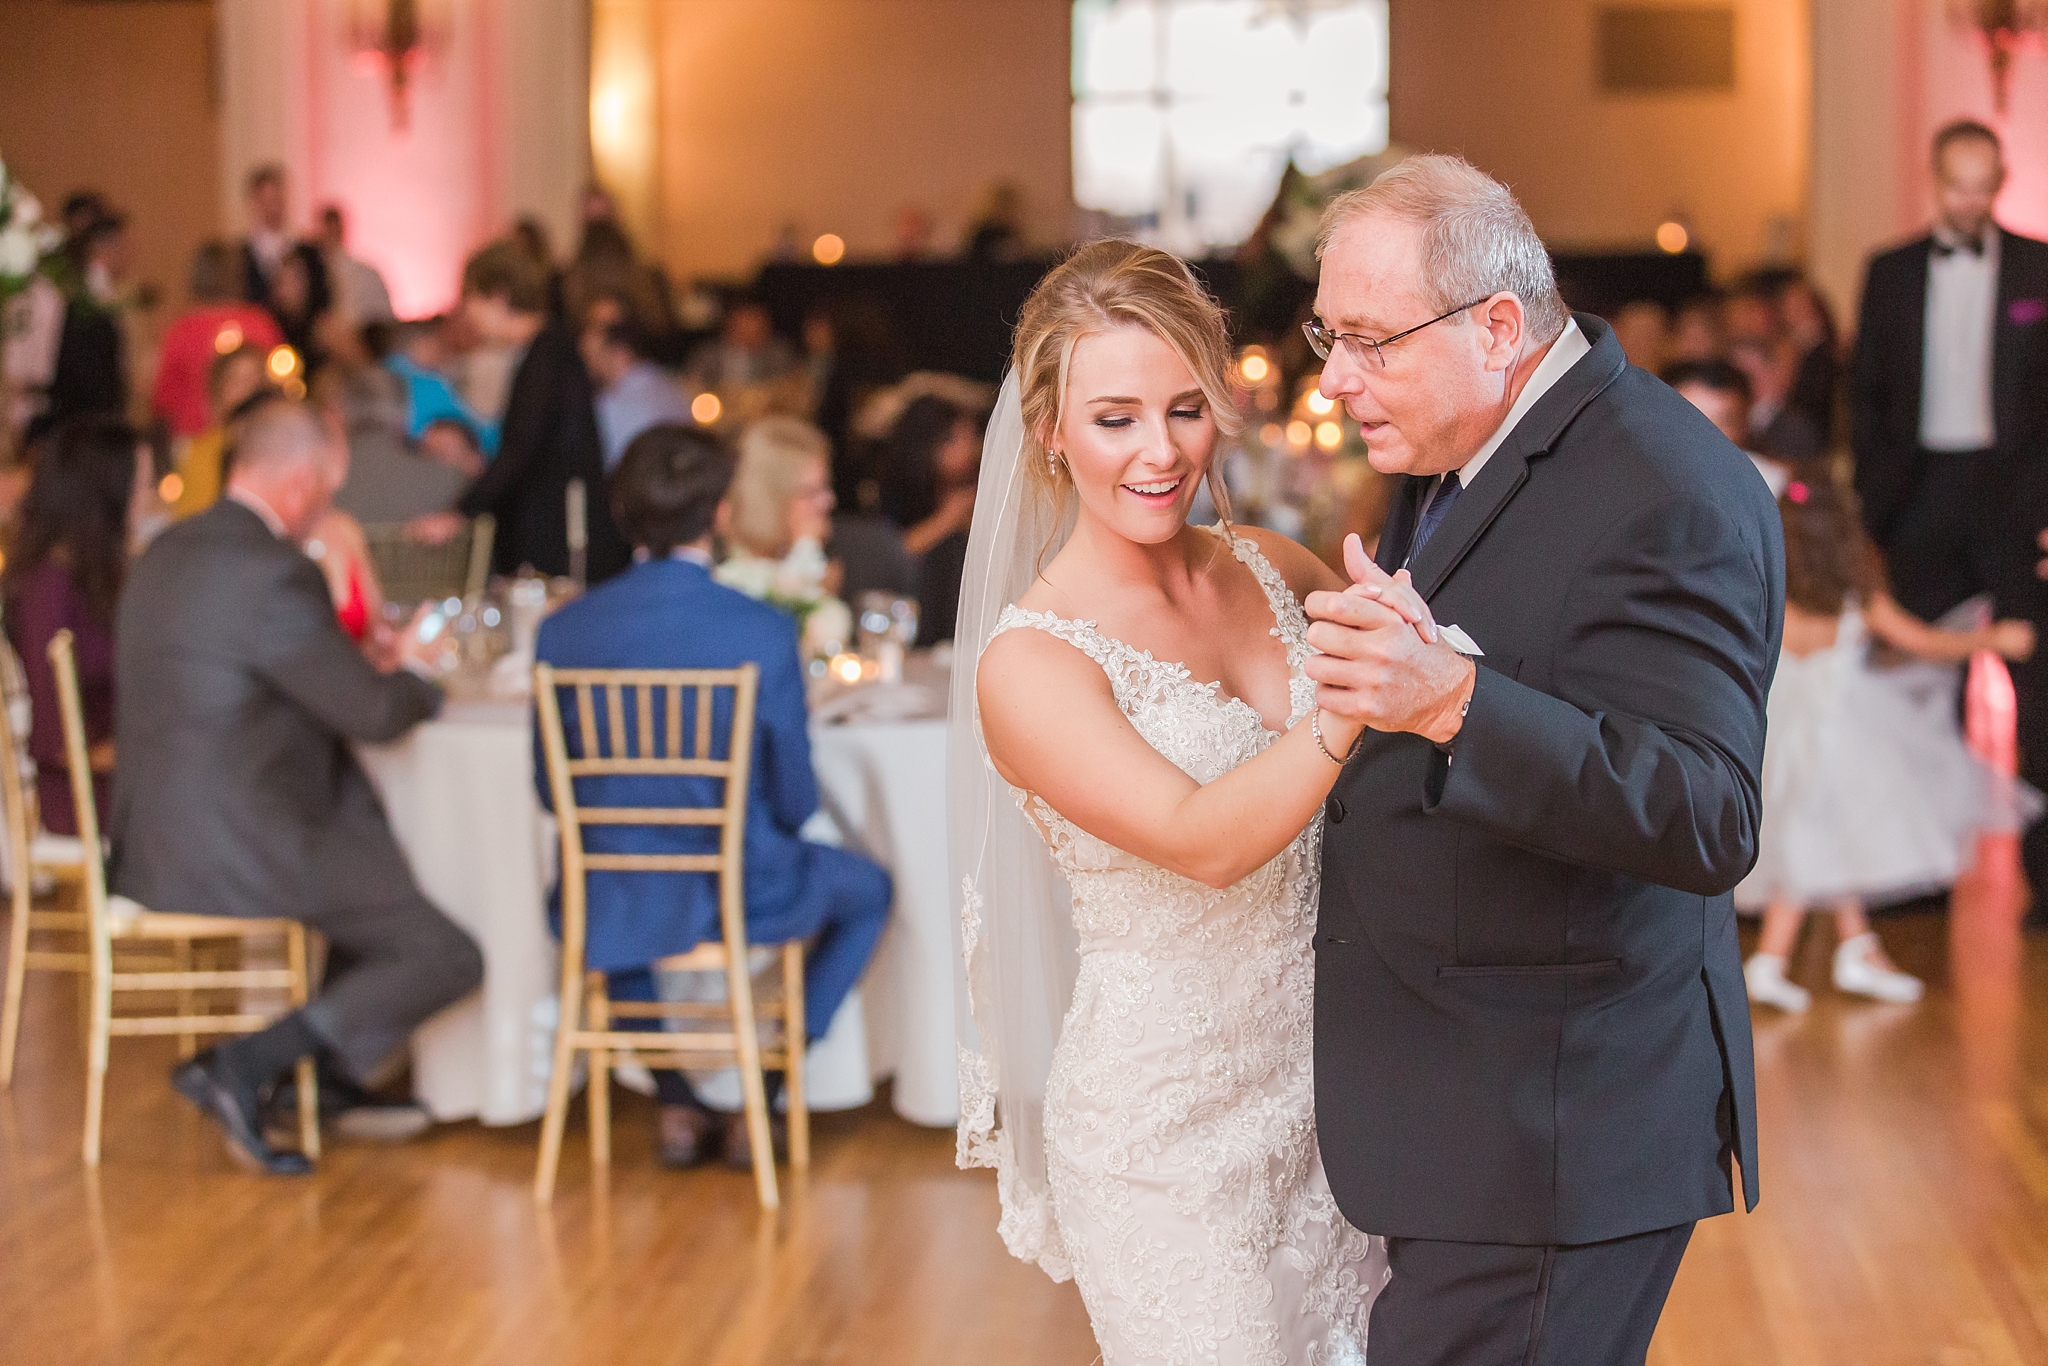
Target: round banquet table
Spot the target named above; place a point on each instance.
(460, 794)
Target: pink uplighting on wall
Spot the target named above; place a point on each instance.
(419, 198)
(1952, 79)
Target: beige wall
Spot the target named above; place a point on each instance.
(1512, 85)
(118, 98)
(834, 114)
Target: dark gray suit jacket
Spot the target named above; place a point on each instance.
(236, 697)
(1531, 1025)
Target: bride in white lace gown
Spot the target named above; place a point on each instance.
(1162, 1151)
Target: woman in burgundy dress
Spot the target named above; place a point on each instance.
(64, 569)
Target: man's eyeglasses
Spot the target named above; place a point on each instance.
(1369, 352)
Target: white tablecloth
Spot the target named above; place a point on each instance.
(460, 794)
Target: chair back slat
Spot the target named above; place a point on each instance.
(412, 572)
(628, 743)
(77, 758)
(16, 795)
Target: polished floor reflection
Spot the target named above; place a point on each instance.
(1905, 1217)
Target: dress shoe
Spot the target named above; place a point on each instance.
(1764, 974)
(689, 1135)
(1861, 970)
(739, 1149)
(349, 1111)
(233, 1105)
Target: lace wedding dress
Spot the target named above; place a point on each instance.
(1187, 1195)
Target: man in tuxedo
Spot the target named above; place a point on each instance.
(1533, 1064)
(1949, 403)
(267, 246)
(237, 697)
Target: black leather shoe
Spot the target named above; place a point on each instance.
(234, 1107)
(689, 1136)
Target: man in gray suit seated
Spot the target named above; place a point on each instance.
(237, 697)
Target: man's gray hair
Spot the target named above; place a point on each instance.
(279, 433)
(1476, 241)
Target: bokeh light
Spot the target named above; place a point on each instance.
(1329, 435)
(1672, 237)
(706, 409)
(829, 250)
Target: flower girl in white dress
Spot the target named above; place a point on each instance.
(1142, 845)
(1865, 793)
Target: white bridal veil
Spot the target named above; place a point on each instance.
(1016, 927)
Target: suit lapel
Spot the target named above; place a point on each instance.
(1509, 466)
(2006, 353)
(1912, 328)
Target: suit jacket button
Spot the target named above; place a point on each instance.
(1335, 810)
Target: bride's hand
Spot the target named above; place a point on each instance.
(1396, 591)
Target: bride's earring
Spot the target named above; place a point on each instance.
(1052, 461)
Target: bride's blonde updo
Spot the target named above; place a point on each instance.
(1105, 285)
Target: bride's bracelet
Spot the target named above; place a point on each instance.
(1315, 728)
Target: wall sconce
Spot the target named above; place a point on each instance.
(2005, 25)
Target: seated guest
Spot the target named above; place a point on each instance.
(1721, 392)
(1817, 387)
(667, 612)
(633, 393)
(392, 477)
(64, 571)
(781, 519)
(1761, 346)
(237, 698)
(747, 352)
(930, 465)
(232, 381)
(219, 323)
(415, 353)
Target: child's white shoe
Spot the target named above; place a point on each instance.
(1765, 975)
(1859, 972)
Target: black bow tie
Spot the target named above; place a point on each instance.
(1973, 245)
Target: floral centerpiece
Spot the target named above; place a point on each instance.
(24, 237)
(796, 584)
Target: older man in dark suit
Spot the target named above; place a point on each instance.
(1949, 397)
(1533, 1066)
(237, 697)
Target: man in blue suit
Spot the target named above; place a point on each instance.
(666, 612)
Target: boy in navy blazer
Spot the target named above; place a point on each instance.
(666, 612)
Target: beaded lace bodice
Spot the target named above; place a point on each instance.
(1205, 735)
(1187, 1196)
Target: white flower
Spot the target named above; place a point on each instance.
(828, 627)
(748, 574)
(25, 209)
(19, 252)
(801, 574)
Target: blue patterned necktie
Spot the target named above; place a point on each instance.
(1432, 516)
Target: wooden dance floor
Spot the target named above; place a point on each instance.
(1905, 1217)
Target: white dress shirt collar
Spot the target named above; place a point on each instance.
(262, 509)
(1571, 345)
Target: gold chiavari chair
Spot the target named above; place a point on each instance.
(112, 921)
(33, 855)
(765, 1031)
(412, 573)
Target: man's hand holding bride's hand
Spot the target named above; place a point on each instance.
(1381, 662)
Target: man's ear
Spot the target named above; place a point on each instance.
(1506, 323)
(721, 520)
